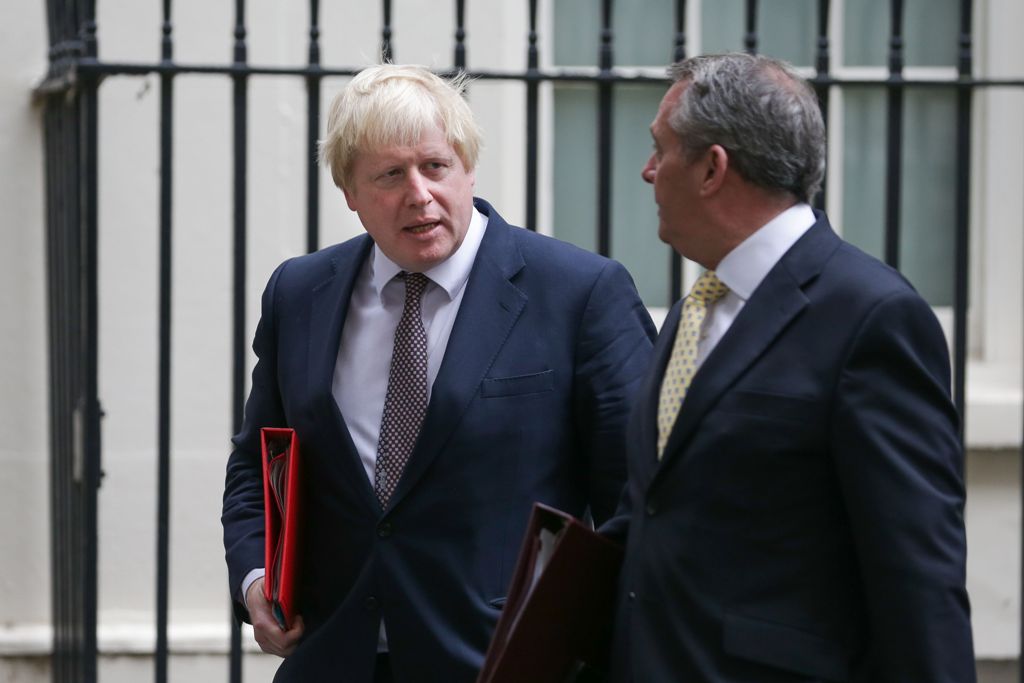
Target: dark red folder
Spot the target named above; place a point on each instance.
(557, 621)
(282, 504)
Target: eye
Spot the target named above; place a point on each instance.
(435, 168)
(389, 175)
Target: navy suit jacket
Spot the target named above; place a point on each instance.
(530, 404)
(806, 520)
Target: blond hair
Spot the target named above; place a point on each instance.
(394, 104)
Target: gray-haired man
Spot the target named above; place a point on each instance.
(795, 499)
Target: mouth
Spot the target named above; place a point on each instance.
(421, 228)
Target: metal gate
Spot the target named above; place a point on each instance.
(71, 221)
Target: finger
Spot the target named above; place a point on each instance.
(288, 640)
(272, 639)
(266, 631)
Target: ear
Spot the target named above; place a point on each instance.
(350, 199)
(716, 164)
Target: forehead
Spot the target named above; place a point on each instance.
(668, 103)
(660, 129)
(432, 141)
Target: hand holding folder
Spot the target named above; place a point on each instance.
(283, 515)
(557, 620)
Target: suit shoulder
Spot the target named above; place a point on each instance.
(864, 277)
(549, 252)
(309, 270)
(858, 292)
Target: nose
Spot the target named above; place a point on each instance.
(649, 170)
(419, 189)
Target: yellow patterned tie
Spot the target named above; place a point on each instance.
(682, 365)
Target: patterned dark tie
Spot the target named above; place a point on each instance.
(406, 402)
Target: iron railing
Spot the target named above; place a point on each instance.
(69, 92)
(70, 125)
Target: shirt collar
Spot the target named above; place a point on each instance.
(743, 268)
(450, 275)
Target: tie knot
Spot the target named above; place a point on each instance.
(414, 285)
(708, 288)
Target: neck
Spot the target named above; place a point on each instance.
(741, 213)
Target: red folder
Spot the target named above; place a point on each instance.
(283, 515)
(557, 621)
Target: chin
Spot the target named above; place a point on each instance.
(664, 235)
(423, 262)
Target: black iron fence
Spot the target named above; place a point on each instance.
(69, 93)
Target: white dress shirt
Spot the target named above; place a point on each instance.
(367, 340)
(743, 269)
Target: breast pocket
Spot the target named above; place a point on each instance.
(519, 385)
(772, 406)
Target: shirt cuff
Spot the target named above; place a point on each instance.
(248, 581)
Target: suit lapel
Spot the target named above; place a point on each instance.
(646, 438)
(327, 318)
(489, 310)
(774, 304)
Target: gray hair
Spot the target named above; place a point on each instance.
(761, 111)
(393, 104)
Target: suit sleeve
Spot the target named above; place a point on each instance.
(613, 353)
(242, 515)
(899, 462)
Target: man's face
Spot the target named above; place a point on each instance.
(676, 181)
(416, 202)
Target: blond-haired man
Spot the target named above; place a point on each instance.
(443, 372)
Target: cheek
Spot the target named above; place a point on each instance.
(662, 196)
(669, 186)
(457, 200)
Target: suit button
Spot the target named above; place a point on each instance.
(632, 596)
(651, 510)
(384, 529)
(370, 604)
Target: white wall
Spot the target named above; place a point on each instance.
(24, 490)
(201, 410)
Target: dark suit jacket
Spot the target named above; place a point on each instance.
(806, 521)
(530, 404)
